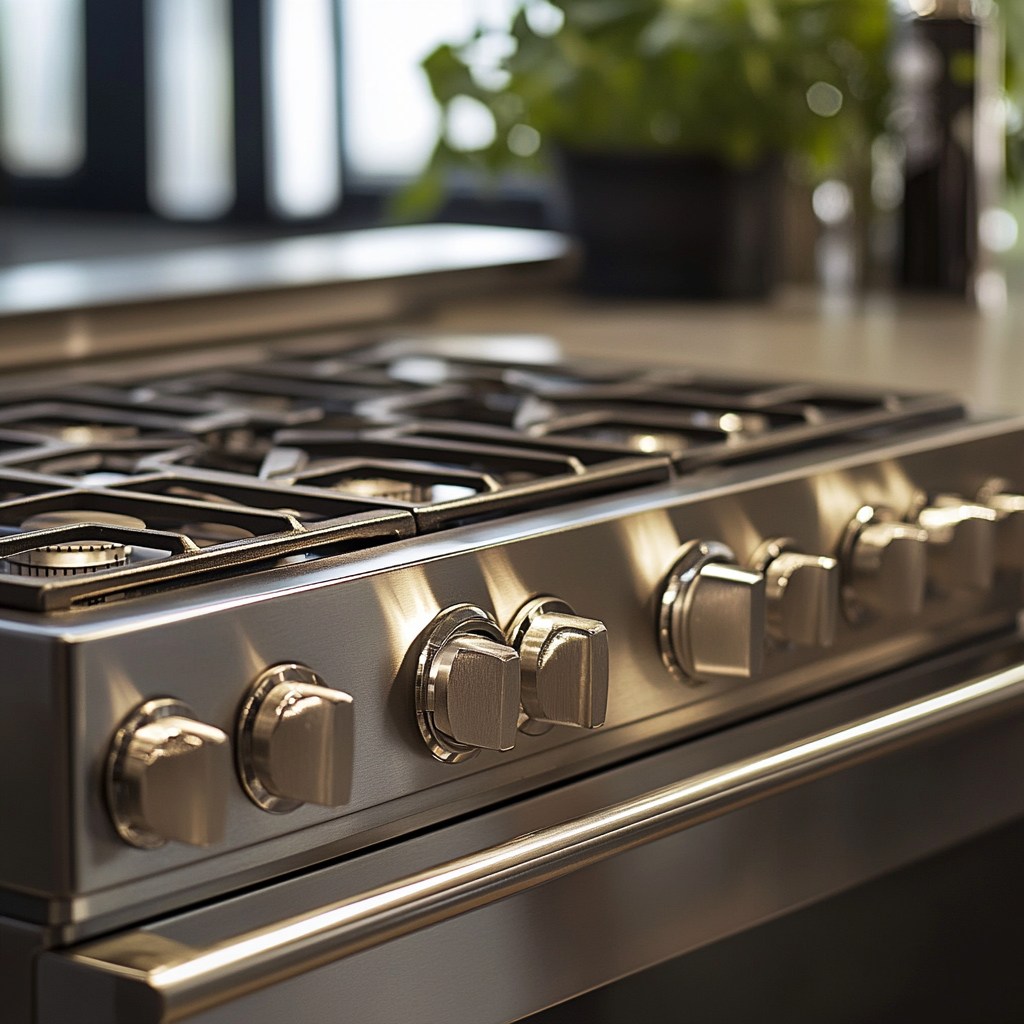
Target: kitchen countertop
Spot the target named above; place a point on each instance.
(917, 343)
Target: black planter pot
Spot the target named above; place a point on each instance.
(675, 226)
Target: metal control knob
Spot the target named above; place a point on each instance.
(712, 615)
(294, 741)
(961, 543)
(801, 593)
(467, 686)
(167, 777)
(564, 664)
(1009, 510)
(884, 565)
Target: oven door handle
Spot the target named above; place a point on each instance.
(151, 980)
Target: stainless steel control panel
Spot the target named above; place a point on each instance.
(247, 727)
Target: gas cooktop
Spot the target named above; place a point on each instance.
(136, 479)
(273, 603)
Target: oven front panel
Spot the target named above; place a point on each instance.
(551, 941)
(361, 633)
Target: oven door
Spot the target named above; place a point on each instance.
(500, 915)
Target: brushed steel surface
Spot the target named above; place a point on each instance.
(294, 742)
(56, 312)
(354, 620)
(156, 979)
(19, 945)
(241, 267)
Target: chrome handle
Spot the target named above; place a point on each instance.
(153, 980)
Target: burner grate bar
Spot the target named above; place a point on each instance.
(201, 565)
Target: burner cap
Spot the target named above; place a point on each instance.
(68, 559)
(74, 557)
(72, 517)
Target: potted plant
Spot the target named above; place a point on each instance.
(669, 121)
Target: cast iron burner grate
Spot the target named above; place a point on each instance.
(142, 482)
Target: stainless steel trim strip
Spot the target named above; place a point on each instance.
(154, 980)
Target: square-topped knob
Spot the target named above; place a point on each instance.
(475, 685)
(565, 670)
(302, 744)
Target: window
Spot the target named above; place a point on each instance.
(300, 72)
(42, 117)
(390, 117)
(190, 111)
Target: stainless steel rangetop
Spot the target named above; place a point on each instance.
(297, 597)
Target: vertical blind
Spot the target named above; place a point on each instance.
(343, 95)
(42, 124)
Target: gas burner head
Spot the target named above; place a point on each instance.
(72, 559)
(233, 467)
(401, 490)
(381, 487)
(76, 517)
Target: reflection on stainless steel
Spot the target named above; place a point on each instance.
(294, 741)
(651, 539)
(467, 686)
(885, 565)
(258, 266)
(961, 543)
(801, 593)
(712, 615)
(167, 777)
(564, 659)
(173, 980)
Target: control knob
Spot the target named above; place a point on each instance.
(167, 777)
(564, 666)
(712, 615)
(801, 593)
(467, 685)
(884, 565)
(961, 543)
(294, 741)
(1009, 533)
